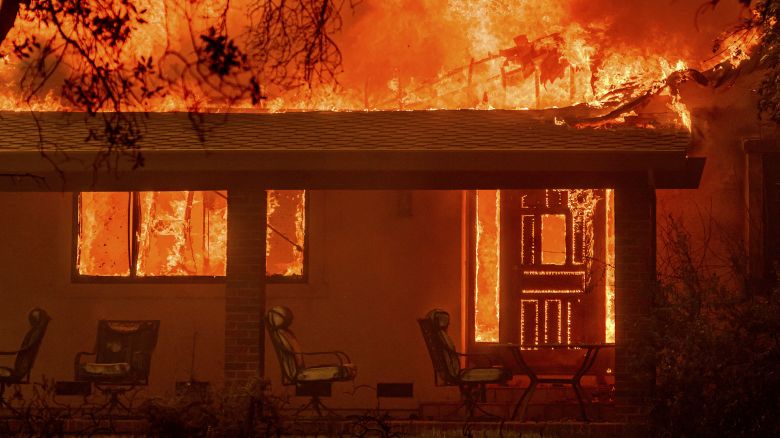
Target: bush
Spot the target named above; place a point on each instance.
(715, 343)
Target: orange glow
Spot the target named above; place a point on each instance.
(432, 54)
(554, 278)
(552, 291)
(552, 321)
(529, 315)
(486, 291)
(609, 335)
(553, 239)
(568, 322)
(104, 223)
(180, 233)
(286, 232)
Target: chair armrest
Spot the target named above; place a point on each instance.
(490, 358)
(77, 361)
(340, 355)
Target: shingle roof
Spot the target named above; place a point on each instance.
(463, 130)
(420, 149)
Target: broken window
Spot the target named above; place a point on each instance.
(543, 266)
(180, 234)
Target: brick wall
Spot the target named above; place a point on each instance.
(634, 274)
(245, 289)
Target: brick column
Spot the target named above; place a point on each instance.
(245, 290)
(635, 266)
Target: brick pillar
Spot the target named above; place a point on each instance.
(635, 266)
(245, 290)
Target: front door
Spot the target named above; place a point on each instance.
(553, 259)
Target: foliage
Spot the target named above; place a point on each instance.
(99, 57)
(715, 343)
(763, 19)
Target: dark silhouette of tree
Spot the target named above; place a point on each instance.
(86, 52)
(763, 19)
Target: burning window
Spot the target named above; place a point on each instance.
(180, 233)
(553, 239)
(548, 257)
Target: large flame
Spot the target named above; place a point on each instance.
(487, 263)
(180, 233)
(432, 54)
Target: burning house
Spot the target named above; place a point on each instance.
(526, 206)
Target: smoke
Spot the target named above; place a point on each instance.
(684, 29)
(385, 39)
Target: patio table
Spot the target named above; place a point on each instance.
(588, 359)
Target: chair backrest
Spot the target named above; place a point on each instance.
(446, 363)
(278, 320)
(25, 359)
(129, 342)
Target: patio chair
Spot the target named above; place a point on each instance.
(123, 357)
(25, 355)
(447, 368)
(293, 362)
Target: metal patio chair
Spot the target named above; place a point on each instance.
(123, 358)
(447, 368)
(25, 355)
(293, 362)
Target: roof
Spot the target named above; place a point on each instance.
(459, 149)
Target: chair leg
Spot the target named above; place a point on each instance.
(472, 395)
(114, 401)
(316, 404)
(522, 404)
(580, 399)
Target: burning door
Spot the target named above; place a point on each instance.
(553, 289)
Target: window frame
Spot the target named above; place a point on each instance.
(77, 277)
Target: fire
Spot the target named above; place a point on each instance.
(286, 233)
(610, 268)
(585, 266)
(432, 54)
(179, 233)
(488, 256)
(103, 234)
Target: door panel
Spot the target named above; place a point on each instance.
(552, 285)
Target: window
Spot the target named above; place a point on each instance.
(543, 266)
(180, 234)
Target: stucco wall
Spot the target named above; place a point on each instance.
(374, 269)
(722, 118)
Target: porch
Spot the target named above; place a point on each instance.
(388, 241)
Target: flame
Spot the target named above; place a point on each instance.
(597, 269)
(103, 234)
(286, 233)
(487, 265)
(433, 54)
(609, 335)
(682, 111)
(180, 233)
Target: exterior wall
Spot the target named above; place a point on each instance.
(374, 267)
(718, 210)
(35, 270)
